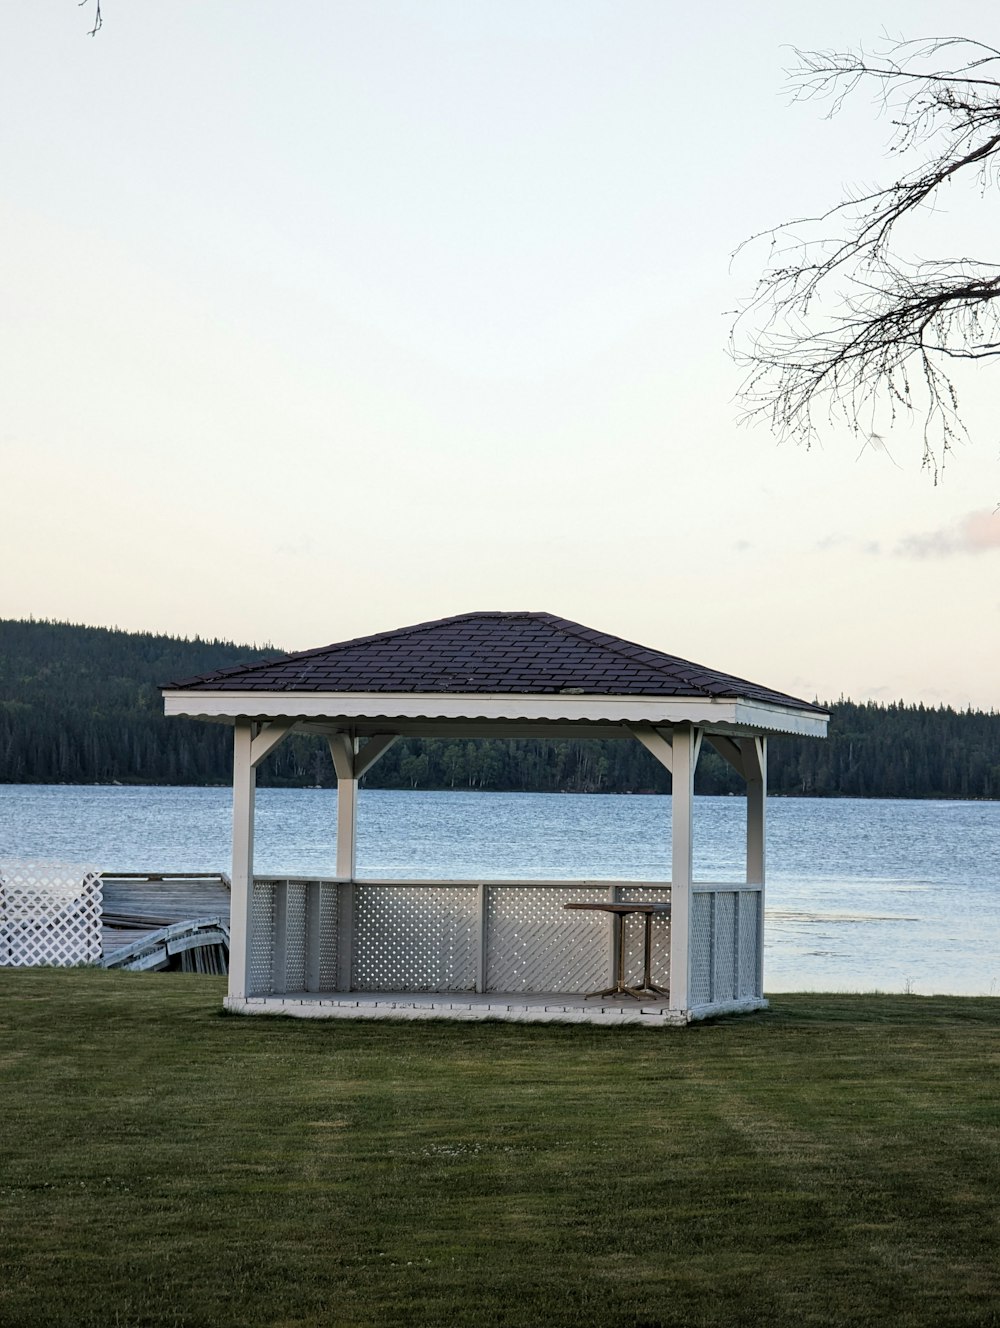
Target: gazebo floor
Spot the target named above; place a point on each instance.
(513, 1006)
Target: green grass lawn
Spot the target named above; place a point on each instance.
(835, 1160)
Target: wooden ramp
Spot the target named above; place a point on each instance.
(166, 920)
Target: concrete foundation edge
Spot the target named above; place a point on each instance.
(746, 1005)
(449, 1008)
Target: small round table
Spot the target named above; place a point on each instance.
(619, 912)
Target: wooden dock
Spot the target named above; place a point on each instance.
(166, 920)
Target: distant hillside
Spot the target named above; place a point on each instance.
(80, 705)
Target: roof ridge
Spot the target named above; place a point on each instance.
(412, 630)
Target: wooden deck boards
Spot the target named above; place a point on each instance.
(136, 906)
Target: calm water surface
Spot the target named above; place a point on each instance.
(863, 894)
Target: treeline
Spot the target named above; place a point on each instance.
(81, 705)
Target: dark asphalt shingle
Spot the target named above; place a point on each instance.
(523, 653)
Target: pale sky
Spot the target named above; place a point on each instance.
(324, 318)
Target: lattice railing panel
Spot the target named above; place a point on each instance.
(700, 975)
(415, 938)
(295, 958)
(749, 944)
(726, 949)
(419, 936)
(725, 945)
(535, 944)
(261, 938)
(635, 935)
(49, 914)
(329, 909)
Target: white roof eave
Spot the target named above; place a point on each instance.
(722, 715)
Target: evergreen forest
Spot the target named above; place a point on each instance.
(81, 705)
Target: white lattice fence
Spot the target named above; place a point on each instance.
(534, 944)
(261, 921)
(725, 945)
(443, 936)
(415, 938)
(49, 914)
(294, 926)
(495, 936)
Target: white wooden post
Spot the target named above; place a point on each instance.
(343, 751)
(251, 743)
(685, 746)
(347, 828)
(350, 763)
(241, 876)
(755, 765)
(677, 750)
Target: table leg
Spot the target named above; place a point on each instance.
(619, 949)
(621, 987)
(647, 960)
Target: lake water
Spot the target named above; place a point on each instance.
(863, 894)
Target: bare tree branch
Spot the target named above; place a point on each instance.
(98, 19)
(841, 326)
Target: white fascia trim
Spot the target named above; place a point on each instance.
(752, 716)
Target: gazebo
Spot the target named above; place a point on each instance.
(338, 946)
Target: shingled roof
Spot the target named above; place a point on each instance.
(490, 653)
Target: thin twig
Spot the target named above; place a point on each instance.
(98, 19)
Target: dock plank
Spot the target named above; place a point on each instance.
(137, 906)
